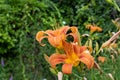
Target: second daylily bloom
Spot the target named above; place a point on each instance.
(93, 28)
(74, 54)
(55, 37)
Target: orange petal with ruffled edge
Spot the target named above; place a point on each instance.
(56, 58)
(50, 33)
(87, 59)
(75, 33)
(79, 49)
(68, 48)
(74, 29)
(64, 29)
(67, 68)
(56, 41)
(39, 36)
(82, 48)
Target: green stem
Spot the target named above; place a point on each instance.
(23, 68)
(97, 53)
(116, 6)
(80, 78)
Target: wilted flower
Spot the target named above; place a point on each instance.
(112, 39)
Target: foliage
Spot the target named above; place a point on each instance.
(19, 16)
(21, 19)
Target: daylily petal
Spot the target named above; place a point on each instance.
(68, 48)
(82, 48)
(75, 33)
(55, 37)
(67, 68)
(64, 29)
(40, 36)
(79, 49)
(87, 59)
(74, 29)
(56, 41)
(50, 33)
(56, 59)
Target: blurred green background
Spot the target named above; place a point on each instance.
(21, 55)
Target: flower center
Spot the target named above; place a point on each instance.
(72, 59)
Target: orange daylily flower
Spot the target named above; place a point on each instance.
(74, 54)
(55, 37)
(93, 28)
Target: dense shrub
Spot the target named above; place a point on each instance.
(18, 17)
